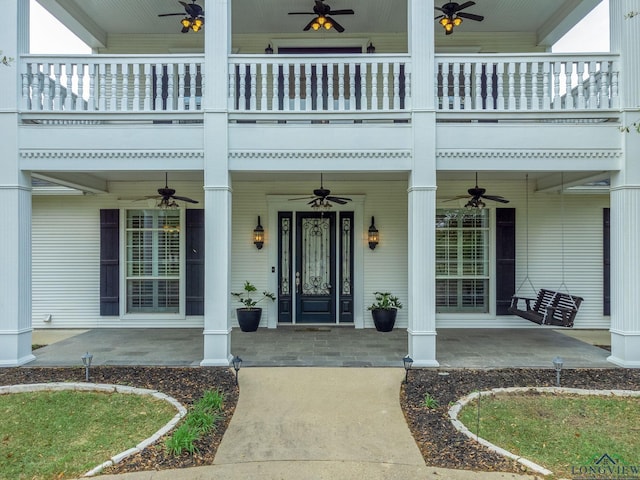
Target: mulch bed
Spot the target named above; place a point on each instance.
(186, 385)
(443, 446)
(439, 442)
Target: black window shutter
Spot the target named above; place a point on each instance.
(606, 261)
(109, 262)
(505, 258)
(195, 262)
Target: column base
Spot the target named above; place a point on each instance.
(217, 348)
(15, 348)
(422, 349)
(625, 349)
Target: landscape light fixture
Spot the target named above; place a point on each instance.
(558, 362)
(258, 235)
(236, 362)
(407, 361)
(86, 361)
(373, 236)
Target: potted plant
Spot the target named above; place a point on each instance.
(249, 315)
(384, 311)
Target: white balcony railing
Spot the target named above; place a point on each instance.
(122, 83)
(278, 84)
(322, 83)
(519, 83)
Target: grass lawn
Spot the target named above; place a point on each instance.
(64, 434)
(559, 432)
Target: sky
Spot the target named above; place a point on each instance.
(49, 36)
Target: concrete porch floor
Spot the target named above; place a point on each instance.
(326, 346)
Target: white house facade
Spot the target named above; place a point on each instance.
(242, 119)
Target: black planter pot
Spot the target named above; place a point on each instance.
(249, 318)
(384, 320)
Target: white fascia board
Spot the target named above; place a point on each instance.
(567, 16)
(72, 17)
(76, 181)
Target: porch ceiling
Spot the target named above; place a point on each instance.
(94, 20)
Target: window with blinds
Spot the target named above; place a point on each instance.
(462, 261)
(153, 261)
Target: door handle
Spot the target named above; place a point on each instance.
(297, 282)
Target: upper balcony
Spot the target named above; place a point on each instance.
(347, 88)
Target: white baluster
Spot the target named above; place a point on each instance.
(341, 106)
(93, 76)
(242, 76)
(581, 102)
(158, 100)
(615, 99)
(568, 72)
(286, 97)
(546, 95)
(263, 86)
(511, 103)
(352, 103)
(35, 87)
(446, 101)
(46, 90)
(233, 94)
(171, 75)
(593, 100)
(297, 79)
(396, 86)
(535, 100)
(252, 87)
(385, 86)
(148, 82)
(604, 84)
(26, 81)
(102, 97)
(113, 101)
(466, 101)
(68, 100)
(330, 100)
(181, 85)
(137, 68)
(375, 95)
(193, 86)
(124, 102)
(557, 100)
(500, 93)
(407, 86)
(308, 101)
(478, 85)
(522, 104)
(456, 86)
(275, 77)
(57, 90)
(490, 101)
(79, 105)
(366, 73)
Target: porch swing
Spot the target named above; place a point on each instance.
(550, 307)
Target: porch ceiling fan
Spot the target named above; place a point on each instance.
(168, 197)
(194, 19)
(323, 14)
(321, 198)
(476, 194)
(452, 15)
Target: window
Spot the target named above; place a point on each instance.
(462, 261)
(153, 242)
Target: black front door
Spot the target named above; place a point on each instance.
(315, 275)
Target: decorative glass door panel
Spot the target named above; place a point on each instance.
(315, 271)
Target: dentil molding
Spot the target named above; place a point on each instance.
(577, 154)
(266, 155)
(111, 154)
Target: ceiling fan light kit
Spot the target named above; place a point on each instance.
(323, 20)
(194, 19)
(452, 15)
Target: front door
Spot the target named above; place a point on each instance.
(315, 276)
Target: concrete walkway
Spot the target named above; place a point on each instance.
(318, 423)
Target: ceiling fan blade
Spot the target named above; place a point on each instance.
(184, 199)
(464, 5)
(458, 197)
(337, 26)
(347, 11)
(496, 198)
(471, 16)
(339, 200)
(439, 8)
(314, 201)
(301, 13)
(334, 198)
(439, 17)
(302, 198)
(308, 26)
(170, 14)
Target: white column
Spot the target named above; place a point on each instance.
(15, 197)
(625, 193)
(217, 187)
(422, 188)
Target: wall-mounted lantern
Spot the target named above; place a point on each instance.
(373, 235)
(258, 235)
